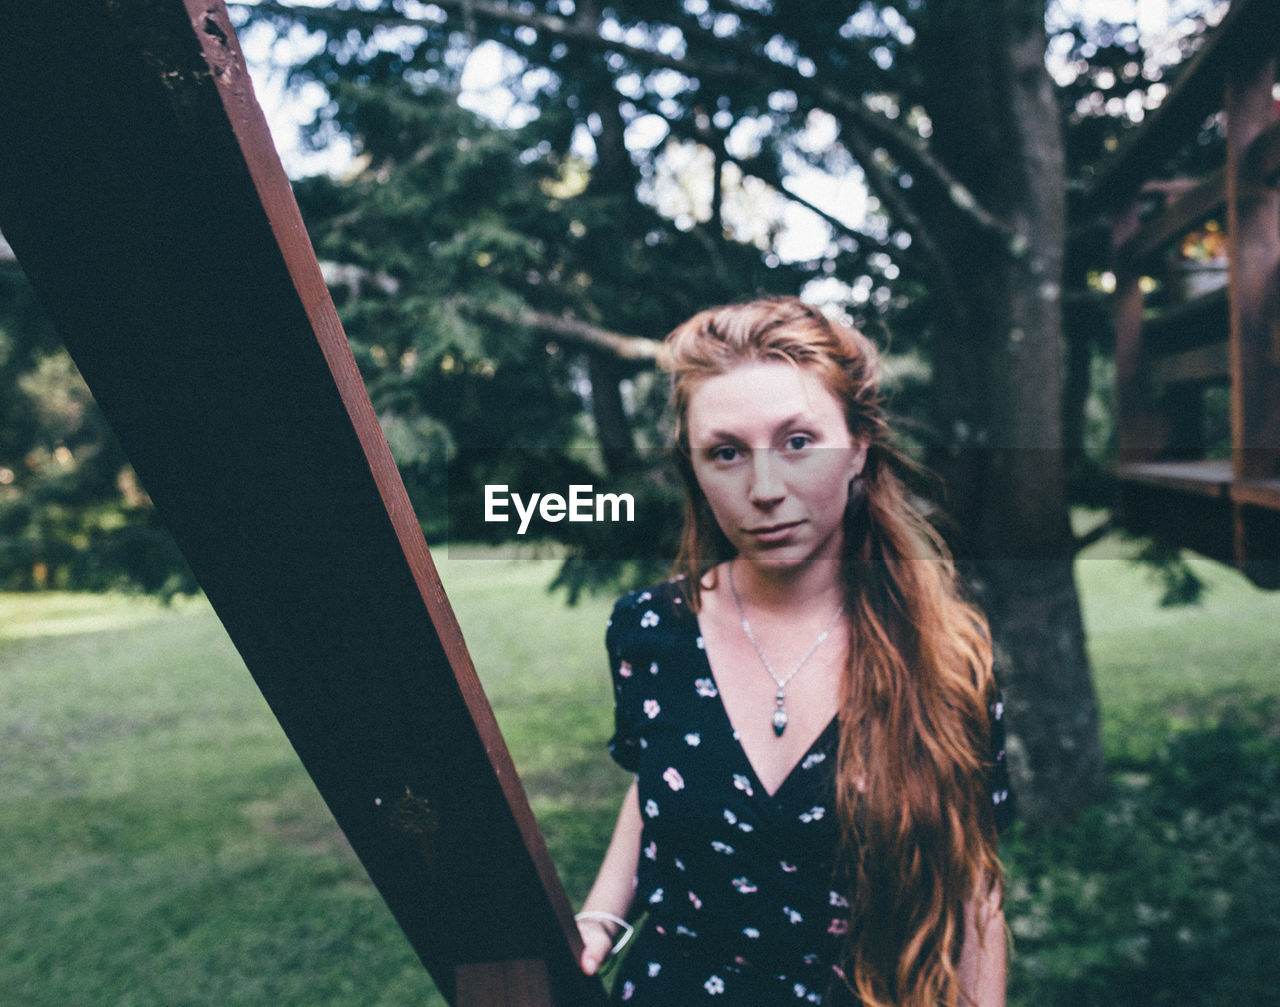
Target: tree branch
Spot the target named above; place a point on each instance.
(561, 327)
(768, 173)
(906, 148)
(566, 329)
(891, 195)
(915, 158)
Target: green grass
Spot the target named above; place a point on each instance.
(544, 669)
(162, 845)
(1158, 670)
(1165, 892)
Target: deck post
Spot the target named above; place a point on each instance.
(1253, 230)
(141, 193)
(1139, 427)
(516, 983)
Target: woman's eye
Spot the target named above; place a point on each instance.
(724, 453)
(798, 442)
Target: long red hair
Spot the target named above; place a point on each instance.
(918, 831)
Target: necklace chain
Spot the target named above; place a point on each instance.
(780, 699)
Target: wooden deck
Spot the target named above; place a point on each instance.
(1172, 348)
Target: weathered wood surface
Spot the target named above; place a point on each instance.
(1231, 337)
(142, 194)
(1253, 227)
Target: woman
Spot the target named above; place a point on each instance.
(809, 708)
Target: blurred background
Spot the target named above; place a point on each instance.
(511, 202)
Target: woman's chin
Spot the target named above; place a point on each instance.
(785, 558)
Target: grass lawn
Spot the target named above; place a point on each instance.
(1162, 669)
(162, 845)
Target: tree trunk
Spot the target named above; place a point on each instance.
(613, 177)
(998, 377)
(613, 429)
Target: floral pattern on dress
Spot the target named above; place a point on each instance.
(725, 866)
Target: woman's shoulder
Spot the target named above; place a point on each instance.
(670, 595)
(651, 612)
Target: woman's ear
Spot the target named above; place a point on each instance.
(858, 459)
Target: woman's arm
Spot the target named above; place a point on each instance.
(982, 956)
(615, 885)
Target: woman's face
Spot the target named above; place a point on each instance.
(774, 457)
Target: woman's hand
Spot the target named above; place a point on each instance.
(603, 914)
(597, 942)
(982, 956)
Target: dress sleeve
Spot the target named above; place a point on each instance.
(998, 775)
(625, 744)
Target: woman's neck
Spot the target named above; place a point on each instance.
(806, 587)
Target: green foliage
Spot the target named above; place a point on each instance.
(451, 234)
(1166, 564)
(580, 234)
(71, 513)
(449, 230)
(1165, 893)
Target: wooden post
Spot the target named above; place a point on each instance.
(1253, 214)
(1142, 430)
(488, 984)
(142, 194)
(1253, 209)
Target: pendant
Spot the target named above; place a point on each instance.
(780, 715)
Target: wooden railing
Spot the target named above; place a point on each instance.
(1177, 343)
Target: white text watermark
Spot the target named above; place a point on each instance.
(582, 504)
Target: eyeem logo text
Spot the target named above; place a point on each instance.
(583, 504)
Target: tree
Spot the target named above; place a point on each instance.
(949, 115)
(72, 514)
(489, 273)
(495, 280)
(477, 271)
(996, 358)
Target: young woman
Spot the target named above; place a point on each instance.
(808, 709)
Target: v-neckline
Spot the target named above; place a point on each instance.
(736, 738)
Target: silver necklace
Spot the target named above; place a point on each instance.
(780, 707)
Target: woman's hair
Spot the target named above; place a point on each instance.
(918, 834)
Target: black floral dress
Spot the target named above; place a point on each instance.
(736, 882)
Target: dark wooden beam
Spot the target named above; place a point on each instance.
(1201, 321)
(1190, 520)
(1202, 364)
(1263, 158)
(1253, 235)
(142, 194)
(1210, 477)
(1182, 212)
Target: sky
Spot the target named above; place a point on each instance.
(483, 92)
(1151, 16)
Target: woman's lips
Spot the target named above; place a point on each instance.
(773, 532)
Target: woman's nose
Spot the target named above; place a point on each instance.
(766, 481)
